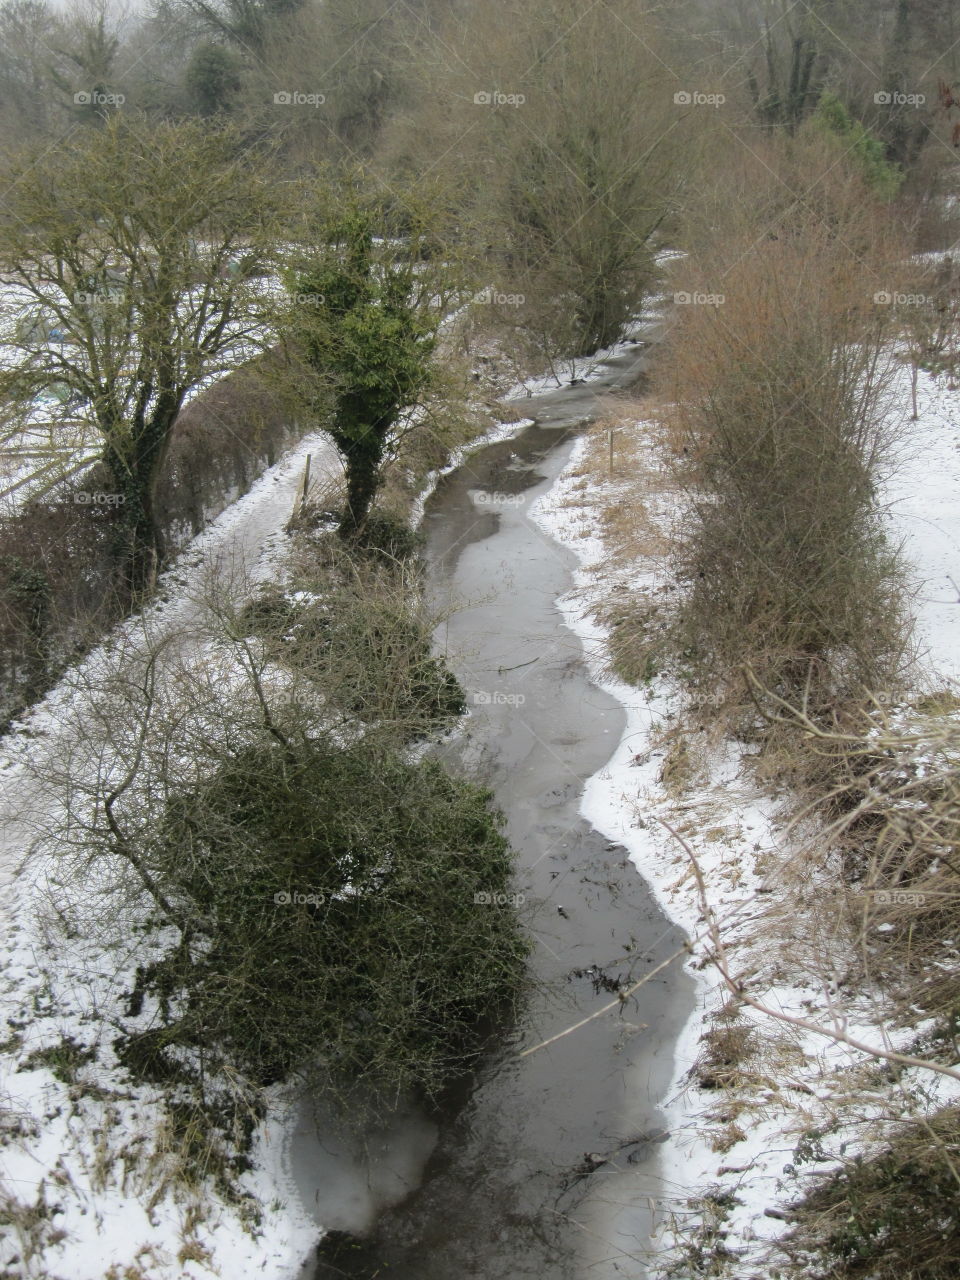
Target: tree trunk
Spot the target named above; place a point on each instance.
(361, 443)
(145, 554)
(599, 321)
(363, 481)
(899, 132)
(136, 473)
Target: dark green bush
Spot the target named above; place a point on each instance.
(336, 924)
(365, 640)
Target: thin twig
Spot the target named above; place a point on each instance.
(614, 1004)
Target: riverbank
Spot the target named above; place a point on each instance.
(90, 1179)
(757, 1107)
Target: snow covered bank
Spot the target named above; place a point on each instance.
(789, 1098)
(87, 1178)
(624, 801)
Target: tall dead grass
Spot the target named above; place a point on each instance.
(776, 377)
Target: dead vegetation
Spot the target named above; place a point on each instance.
(779, 428)
(724, 1050)
(866, 916)
(624, 448)
(777, 606)
(892, 1215)
(884, 803)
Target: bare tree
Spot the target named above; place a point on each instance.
(130, 257)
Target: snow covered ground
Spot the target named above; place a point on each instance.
(735, 1155)
(84, 1176)
(923, 499)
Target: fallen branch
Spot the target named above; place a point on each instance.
(621, 999)
(738, 988)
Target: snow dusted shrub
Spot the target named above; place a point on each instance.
(333, 896)
(887, 1215)
(361, 628)
(306, 895)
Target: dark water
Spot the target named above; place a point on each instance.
(541, 1167)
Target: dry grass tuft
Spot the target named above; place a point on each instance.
(894, 1215)
(887, 794)
(726, 1048)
